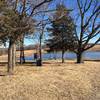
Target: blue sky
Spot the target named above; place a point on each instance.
(70, 4)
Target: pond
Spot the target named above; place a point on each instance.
(89, 55)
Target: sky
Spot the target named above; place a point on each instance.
(70, 4)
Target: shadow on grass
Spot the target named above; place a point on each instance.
(33, 64)
(3, 63)
(3, 75)
(26, 64)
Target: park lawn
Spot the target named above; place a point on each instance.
(53, 81)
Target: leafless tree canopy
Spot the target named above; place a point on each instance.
(89, 14)
(89, 25)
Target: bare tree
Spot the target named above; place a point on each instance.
(41, 29)
(89, 24)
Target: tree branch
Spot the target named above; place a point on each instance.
(86, 9)
(45, 1)
(92, 45)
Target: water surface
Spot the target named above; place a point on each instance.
(89, 55)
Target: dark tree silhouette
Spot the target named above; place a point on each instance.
(62, 36)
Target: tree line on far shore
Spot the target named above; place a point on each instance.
(20, 19)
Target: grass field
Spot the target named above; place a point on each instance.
(53, 81)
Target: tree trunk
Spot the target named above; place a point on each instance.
(10, 67)
(80, 57)
(40, 50)
(39, 61)
(62, 56)
(22, 56)
(14, 55)
(55, 53)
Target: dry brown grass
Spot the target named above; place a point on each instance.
(53, 81)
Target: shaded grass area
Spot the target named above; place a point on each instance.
(53, 81)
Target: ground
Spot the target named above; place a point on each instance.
(53, 81)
